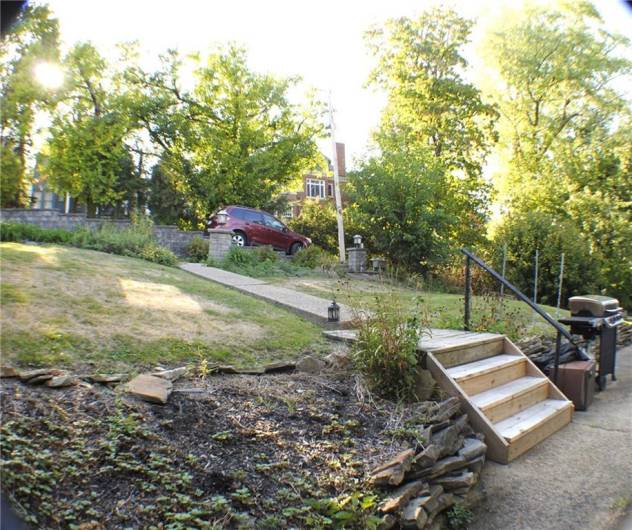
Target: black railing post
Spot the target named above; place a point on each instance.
(468, 293)
(558, 347)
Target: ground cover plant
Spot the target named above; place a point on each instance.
(264, 262)
(73, 307)
(244, 452)
(135, 240)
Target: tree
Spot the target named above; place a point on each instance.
(233, 138)
(566, 131)
(432, 109)
(33, 40)
(402, 204)
(88, 157)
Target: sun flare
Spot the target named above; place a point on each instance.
(49, 75)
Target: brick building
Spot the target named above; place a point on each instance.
(317, 185)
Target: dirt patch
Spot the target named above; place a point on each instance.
(228, 452)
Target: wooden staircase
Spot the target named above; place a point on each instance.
(506, 396)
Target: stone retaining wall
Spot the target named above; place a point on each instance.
(167, 235)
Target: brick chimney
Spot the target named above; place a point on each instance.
(340, 153)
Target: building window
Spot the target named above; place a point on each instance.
(316, 188)
(330, 190)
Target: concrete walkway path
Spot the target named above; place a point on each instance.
(306, 305)
(580, 478)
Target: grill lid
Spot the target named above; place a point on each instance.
(593, 305)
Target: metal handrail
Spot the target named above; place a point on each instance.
(468, 293)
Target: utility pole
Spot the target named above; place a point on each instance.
(341, 228)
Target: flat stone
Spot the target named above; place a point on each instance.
(37, 380)
(310, 365)
(426, 458)
(448, 439)
(107, 378)
(445, 410)
(171, 375)
(414, 515)
(30, 374)
(392, 476)
(446, 465)
(472, 448)
(465, 480)
(464, 425)
(476, 465)
(387, 522)
(402, 495)
(403, 459)
(255, 370)
(227, 369)
(150, 388)
(8, 371)
(338, 360)
(60, 381)
(444, 501)
(279, 367)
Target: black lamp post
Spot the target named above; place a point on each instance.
(333, 312)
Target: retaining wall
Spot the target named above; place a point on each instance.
(167, 235)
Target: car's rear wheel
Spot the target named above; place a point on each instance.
(296, 247)
(240, 239)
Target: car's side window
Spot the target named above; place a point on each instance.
(252, 217)
(272, 222)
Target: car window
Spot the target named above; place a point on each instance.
(272, 222)
(246, 215)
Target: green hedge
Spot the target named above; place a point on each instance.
(136, 240)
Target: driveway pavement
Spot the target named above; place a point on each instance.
(580, 478)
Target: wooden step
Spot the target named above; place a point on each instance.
(484, 374)
(479, 348)
(506, 400)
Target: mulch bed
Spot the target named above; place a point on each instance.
(279, 451)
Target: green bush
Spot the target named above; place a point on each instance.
(523, 234)
(459, 517)
(314, 257)
(197, 249)
(386, 349)
(136, 240)
(29, 232)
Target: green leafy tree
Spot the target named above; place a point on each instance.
(430, 105)
(87, 153)
(233, 138)
(567, 143)
(33, 40)
(402, 204)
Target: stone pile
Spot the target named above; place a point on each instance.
(440, 472)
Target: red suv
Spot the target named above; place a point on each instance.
(255, 227)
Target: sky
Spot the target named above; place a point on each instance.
(320, 41)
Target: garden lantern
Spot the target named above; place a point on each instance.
(357, 241)
(333, 312)
(222, 217)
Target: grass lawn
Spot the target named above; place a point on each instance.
(79, 308)
(445, 310)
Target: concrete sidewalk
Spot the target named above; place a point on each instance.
(579, 478)
(310, 307)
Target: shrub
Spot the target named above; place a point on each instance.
(197, 249)
(136, 240)
(386, 349)
(459, 517)
(314, 257)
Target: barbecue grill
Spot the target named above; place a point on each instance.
(595, 316)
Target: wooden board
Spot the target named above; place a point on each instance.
(500, 376)
(467, 354)
(518, 401)
(527, 420)
(497, 446)
(560, 419)
(481, 367)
